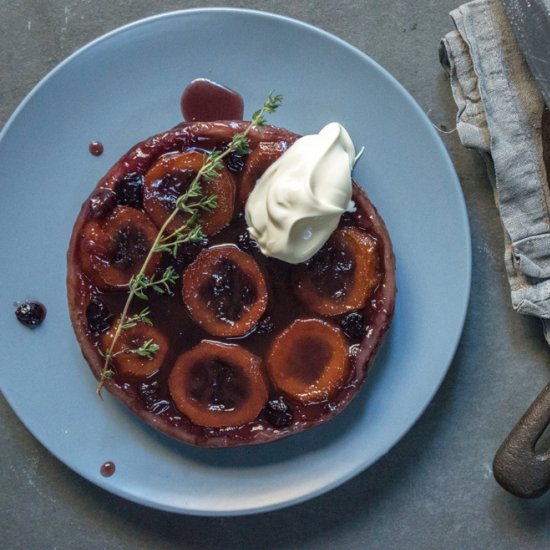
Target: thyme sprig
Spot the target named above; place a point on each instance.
(147, 349)
(141, 317)
(192, 203)
(140, 283)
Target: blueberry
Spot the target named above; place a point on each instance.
(265, 326)
(187, 253)
(278, 413)
(98, 316)
(30, 314)
(129, 190)
(246, 243)
(354, 325)
(235, 162)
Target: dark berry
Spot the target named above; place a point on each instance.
(102, 203)
(246, 243)
(30, 314)
(278, 413)
(129, 190)
(98, 316)
(187, 253)
(235, 162)
(265, 326)
(354, 325)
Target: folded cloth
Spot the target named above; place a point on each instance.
(501, 114)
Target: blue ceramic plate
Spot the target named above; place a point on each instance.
(126, 86)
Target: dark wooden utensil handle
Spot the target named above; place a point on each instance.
(520, 469)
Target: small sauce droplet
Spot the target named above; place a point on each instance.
(107, 469)
(96, 148)
(205, 101)
(31, 314)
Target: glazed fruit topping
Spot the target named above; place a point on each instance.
(171, 176)
(229, 291)
(98, 316)
(218, 385)
(308, 361)
(130, 244)
(30, 314)
(129, 190)
(139, 350)
(114, 248)
(341, 276)
(225, 291)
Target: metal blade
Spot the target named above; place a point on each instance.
(530, 20)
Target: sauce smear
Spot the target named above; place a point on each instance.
(206, 101)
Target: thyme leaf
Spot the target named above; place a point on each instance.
(141, 317)
(147, 349)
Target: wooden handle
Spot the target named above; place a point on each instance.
(517, 466)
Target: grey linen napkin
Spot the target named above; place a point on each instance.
(500, 114)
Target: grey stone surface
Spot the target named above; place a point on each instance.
(435, 488)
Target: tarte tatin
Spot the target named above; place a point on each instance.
(243, 349)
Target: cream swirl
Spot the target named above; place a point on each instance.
(297, 203)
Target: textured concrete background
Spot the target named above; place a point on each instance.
(435, 488)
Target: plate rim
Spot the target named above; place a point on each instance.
(466, 237)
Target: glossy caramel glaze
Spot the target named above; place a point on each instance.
(93, 311)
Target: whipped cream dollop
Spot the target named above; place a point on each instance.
(297, 203)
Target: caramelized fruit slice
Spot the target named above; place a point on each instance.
(126, 360)
(114, 247)
(171, 176)
(263, 155)
(341, 276)
(225, 291)
(218, 385)
(308, 361)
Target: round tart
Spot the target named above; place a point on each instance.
(233, 347)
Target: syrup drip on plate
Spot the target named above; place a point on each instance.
(107, 469)
(95, 148)
(206, 101)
